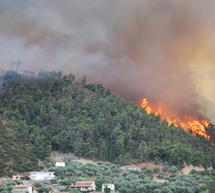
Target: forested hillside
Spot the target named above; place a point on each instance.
(57, 112)
(16, 153)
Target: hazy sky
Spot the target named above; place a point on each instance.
(159, 49)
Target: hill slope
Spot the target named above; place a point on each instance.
(56, 112)
(16, 153)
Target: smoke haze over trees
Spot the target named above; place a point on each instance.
(162, 50)
(56, 112)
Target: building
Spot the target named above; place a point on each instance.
(84, 186)
(131, 168)
(60, 164)
(108, 186)
(41, 176)
(24, 189)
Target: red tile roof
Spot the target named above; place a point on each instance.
(79, 184)
(22, 186)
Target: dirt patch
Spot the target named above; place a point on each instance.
(188, 168)
(4, 122)
(5, 180)
(149, 165)
(57, 156)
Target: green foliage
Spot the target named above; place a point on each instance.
(56, 112)
(107, 190)
(6, 188)
(129, 182)
(16, 153)
(74, 191)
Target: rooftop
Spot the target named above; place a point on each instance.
(22, 186)
(83, 184)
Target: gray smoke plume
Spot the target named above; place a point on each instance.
(160, 49)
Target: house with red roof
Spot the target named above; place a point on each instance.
(84, 186)
(24, 189)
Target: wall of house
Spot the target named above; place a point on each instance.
(41, 176)
(110, 186)
(24, 190)
(60, 164)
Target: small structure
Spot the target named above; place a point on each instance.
(24, 189)
(131, 168)
(41, 176)
(60, 164)
(84, 186)
(108, 186)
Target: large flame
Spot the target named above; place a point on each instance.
(196, 127)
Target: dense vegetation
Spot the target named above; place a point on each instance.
(57, 112)
(16, 153)
(7, 187)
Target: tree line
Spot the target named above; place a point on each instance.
(59, 112)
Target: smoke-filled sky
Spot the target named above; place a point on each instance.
(159, 49)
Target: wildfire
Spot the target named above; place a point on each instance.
(196, 127)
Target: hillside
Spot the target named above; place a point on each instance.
(57, 112)
(16, 153)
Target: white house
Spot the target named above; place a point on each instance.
(84, 186)
(131, 168)
(41, 176)
(109, 186)
(60, 164)
(23, 189)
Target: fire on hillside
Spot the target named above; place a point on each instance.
(189, 124)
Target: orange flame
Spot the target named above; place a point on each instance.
(194, 126)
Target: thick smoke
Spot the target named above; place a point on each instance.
(160, 49)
